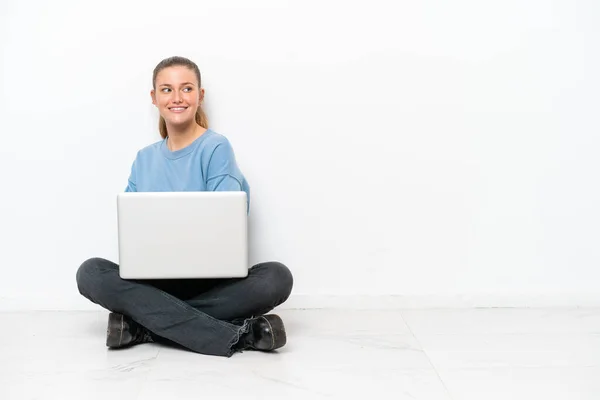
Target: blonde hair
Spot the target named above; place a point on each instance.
(201, 118)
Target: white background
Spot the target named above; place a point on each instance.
(444, 152)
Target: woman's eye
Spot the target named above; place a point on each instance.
(165, 90)
(189, 89)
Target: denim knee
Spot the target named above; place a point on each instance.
(280, 279)
(88, 275)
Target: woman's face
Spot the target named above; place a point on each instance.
(177, 95)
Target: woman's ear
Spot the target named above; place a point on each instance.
(153, 96)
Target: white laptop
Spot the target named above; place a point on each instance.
(179, 235)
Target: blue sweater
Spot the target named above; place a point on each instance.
(208, 164)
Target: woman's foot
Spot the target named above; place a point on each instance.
(123, 331)
(265, 333)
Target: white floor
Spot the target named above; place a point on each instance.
(480, 354)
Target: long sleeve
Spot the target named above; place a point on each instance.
(131, 182)
(223, 172)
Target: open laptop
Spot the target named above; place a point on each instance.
(178, 235)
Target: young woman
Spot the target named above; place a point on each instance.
(207, 316)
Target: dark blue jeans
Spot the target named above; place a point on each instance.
(203, 315)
